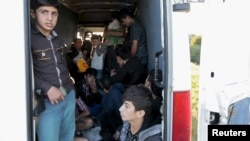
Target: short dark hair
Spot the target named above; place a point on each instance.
(123, 13)
(96, 37)
(91, 71)
(105, 82)
(140, 96)
(75, 39)
(34, 4)
(114, 14)
(122, 51)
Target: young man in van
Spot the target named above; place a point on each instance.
(136, 38)
(136, 114)
(130, 70)
(51, 75)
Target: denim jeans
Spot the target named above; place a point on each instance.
(95, 109)
(57, 122)
(240, 112)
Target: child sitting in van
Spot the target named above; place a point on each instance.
(135, 112)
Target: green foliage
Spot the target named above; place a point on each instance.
(195, 40)
(195, 98)
(195, 46)
(195, 54)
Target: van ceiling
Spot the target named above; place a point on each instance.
(95, 13)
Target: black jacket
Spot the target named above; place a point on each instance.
(49, 62)
(131, 73)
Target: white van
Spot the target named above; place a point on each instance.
(224, 66)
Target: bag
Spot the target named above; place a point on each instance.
(40, 107)
(82, 65)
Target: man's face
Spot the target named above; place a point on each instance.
(126, 21)
(95, 42)
(78, 44)
(127, 111)
(46, 18)
(90, 79)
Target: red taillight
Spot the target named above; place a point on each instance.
(182, 121)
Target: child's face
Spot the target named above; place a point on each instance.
(126, 21)
(95, 42)
(78, 44)
(46, 18)
(127, 111)
(90, 79)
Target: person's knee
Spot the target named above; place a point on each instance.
(84, 124)
(80, 139)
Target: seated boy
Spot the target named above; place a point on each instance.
(87, 90)
(110, 118)
(135, 112)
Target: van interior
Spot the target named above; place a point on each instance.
(82, 18)
(93, 15)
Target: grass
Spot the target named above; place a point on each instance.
(195, 98)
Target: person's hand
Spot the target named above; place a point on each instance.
(93, 87)
(116, 135)
(105, 34)
(112, 72)
(55, 95)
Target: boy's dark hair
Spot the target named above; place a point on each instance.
(75, 39)
(34, 4)
(122, 51)
(114, 14)
(123, 13)
(91, 71)
(97, 37)
(155, 87)
(105, 82)
(140, 96)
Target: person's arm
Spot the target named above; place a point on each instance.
(52, 92)
(119, 33)
(134, 47)
(94, 96)
(119, 75)
(117, 133)
(41, 84)
(82, 114)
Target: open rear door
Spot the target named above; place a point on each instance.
(224, 65)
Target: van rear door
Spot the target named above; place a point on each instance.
(15, 97)
(224, 65)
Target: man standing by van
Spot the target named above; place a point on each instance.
(57, 121)
(136, 37)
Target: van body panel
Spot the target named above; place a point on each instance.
(224, 65)
(14, 101)
(177, 67)
(149, 13)
(181, 79)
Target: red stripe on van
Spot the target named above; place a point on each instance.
(182, 130)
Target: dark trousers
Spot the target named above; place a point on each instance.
(110, 60)
(110, 117)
